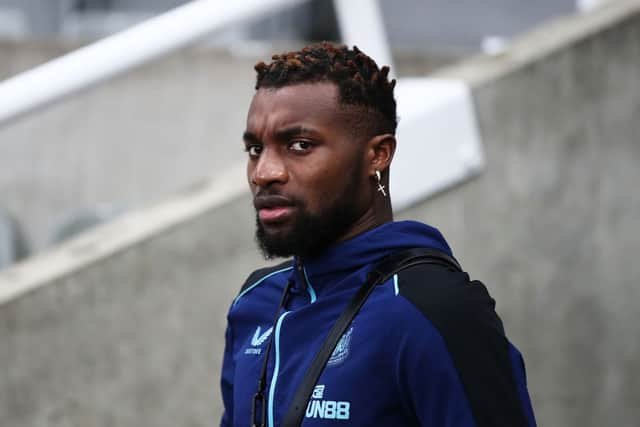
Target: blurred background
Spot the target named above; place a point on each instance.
(126, 229)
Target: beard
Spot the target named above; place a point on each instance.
(311, 234)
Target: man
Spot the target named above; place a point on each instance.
(426, 348)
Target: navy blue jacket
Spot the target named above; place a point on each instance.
(426, 349)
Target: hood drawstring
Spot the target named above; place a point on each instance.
(301, 276)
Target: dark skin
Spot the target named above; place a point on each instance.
(302, 147)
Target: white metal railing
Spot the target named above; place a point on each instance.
(361, 24)
(116, 54)
(163, 34)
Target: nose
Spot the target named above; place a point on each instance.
(269, 169)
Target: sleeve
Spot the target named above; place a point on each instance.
(428, 381)
(465, 363)
(226, 379)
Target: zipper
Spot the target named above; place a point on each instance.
(276, 369)
(258, 406)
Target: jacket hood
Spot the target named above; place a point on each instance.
(373, 245)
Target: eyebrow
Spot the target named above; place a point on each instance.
(280, 135)
(288, 133)
(249, 137)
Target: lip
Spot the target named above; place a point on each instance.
(273, 208)
(274, 214)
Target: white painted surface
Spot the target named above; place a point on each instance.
(123, 51)
(494, 45)
(587, 5)
(439, 142)
(361, 24)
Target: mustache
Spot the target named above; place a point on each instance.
(271, 199)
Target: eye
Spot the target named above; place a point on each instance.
(299, 146)
(254, 150)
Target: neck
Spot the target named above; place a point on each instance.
(376, 215)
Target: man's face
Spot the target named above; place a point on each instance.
(305, 169)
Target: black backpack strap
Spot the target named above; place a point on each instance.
(380, 273)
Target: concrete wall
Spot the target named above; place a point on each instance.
(125, 143)
(553, 225)
(124, 325)
(134, 340)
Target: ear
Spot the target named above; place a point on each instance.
(380, 150)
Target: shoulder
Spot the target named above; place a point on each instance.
(260, 275)
(448, 298)
(263, 273)
(462, 312)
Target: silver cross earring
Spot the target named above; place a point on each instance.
(380, 186)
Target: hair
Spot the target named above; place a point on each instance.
(359, 80)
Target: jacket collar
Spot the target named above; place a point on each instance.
(369, 247)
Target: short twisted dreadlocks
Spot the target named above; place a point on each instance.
(360, 82)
